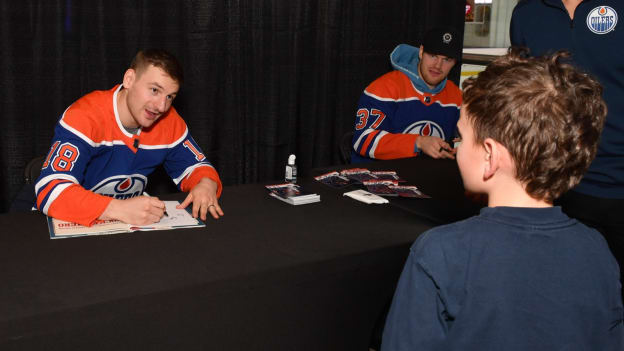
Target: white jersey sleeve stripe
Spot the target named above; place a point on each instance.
(378, 137)
(362, 136)
(45, 180)
(77, 133)
(54, 194)
(190, 170)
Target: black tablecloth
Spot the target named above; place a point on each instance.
(267, 275)
(439, 179)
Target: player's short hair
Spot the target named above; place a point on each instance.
(161, 59)
(547, 113)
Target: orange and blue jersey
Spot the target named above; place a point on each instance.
(397, 108)
(94, 159)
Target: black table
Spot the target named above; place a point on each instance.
(267, 275)
(439, 179)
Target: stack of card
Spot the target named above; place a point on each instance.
(381, 187)
(334, 179)
(359, 175)
(381, 183)
(387, 175)
(408, 191)
(292, 194)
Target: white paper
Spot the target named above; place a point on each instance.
(366, 197)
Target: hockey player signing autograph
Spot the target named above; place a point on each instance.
(414, 108)
(108, 142)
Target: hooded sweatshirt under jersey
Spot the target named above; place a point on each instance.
(398, 107)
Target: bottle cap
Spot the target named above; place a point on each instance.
(291, 159)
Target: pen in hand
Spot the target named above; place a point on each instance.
(165, 212)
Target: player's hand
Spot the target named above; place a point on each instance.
(139, 210)
(204, 199)
(435, 147)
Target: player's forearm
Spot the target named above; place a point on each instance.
(198, 174)
(382, 145)
(112, 211)
(78, 205)
(139, 210)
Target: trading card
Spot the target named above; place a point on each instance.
(408, 191)
(387, 175)
(334, 179)
(381, 187)
(359, 174)
(285, 190)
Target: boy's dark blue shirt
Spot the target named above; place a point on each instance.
(508, 279)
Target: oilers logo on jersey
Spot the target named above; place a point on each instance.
(121, 187)
(425, 128)
(602, 19)
(93, 159)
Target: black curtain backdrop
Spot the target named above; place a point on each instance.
(264, 78)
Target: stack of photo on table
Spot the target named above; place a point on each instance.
(292, 194)
(382, 183)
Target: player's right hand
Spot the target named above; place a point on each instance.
(435, 147)
(139, 210)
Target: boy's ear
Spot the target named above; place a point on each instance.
(129, 77)
(492, 158)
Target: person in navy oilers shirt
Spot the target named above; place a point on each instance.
(521, 275)
(592, 31)
(414, 108)
(108, 142)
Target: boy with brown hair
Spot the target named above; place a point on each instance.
(521, 275)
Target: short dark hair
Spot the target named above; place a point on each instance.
(161, 59)
(546, 112)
